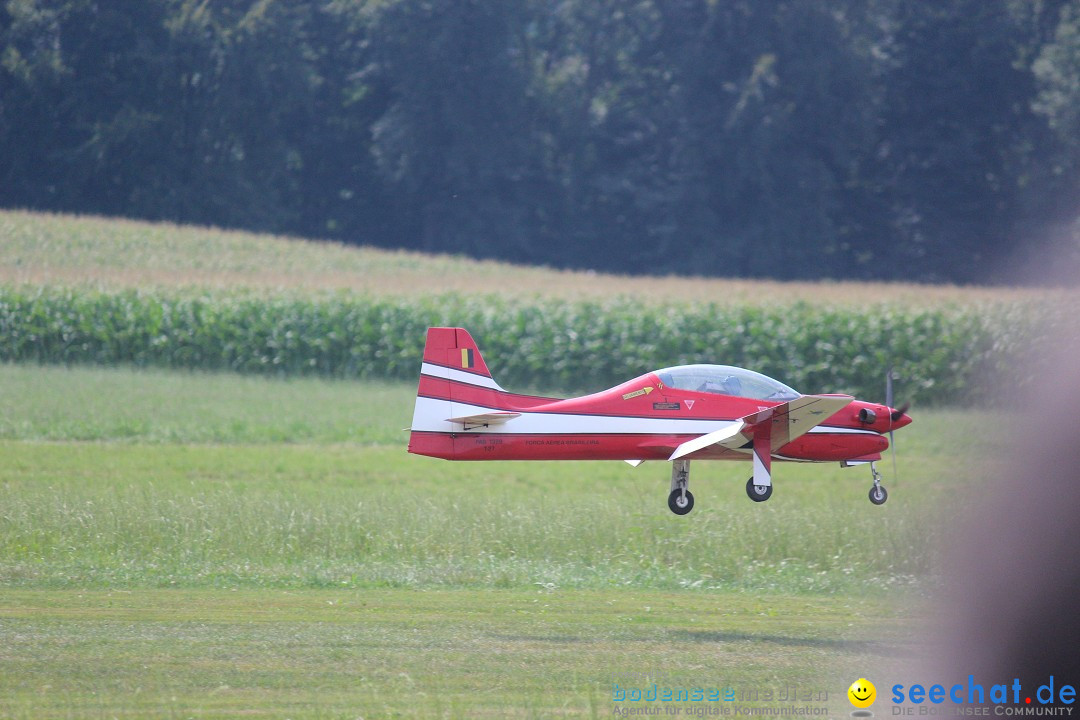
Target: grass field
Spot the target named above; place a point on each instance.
(43, 249)
(88, 403)
(439, 653)
(199, 545)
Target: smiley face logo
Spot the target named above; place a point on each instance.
(862, 693)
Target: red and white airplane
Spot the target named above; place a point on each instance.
(684, 413)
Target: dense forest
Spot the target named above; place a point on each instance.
(896, 139)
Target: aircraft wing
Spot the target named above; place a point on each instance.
(718, 437)
(783, 423)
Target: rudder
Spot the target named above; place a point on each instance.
(454, 348)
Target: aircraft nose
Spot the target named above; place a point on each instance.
(901, 421)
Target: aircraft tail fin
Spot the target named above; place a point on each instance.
(456, 393)
(454, 349)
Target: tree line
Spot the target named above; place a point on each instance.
(870, 139)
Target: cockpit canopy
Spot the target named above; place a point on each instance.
(726, 380)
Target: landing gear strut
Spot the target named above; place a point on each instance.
(681, 501)
(878, 494)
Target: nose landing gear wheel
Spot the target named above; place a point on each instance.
(878, 495)
(679, 504)
(758, 493)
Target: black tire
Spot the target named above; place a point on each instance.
(753, 494)
(674, 500)
(878, 495)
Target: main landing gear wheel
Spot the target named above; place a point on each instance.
(679, 502)
(878, 495)
(758, 493)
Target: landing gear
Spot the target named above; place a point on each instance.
(681, 501)
(758, 493)
(878, 494)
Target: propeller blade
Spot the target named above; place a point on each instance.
(894, 415)
(892, 451)
(899, 412)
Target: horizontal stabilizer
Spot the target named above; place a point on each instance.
(484, 419)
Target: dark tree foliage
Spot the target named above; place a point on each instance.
(957, 131)
(763, 138)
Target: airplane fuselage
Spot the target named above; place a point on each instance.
(642, 419)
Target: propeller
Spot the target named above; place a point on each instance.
(894, 415)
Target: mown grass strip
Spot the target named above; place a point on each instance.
(340, 653)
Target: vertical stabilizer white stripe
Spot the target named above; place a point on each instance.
(448, 373)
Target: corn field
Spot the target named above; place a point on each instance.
(950, 355)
